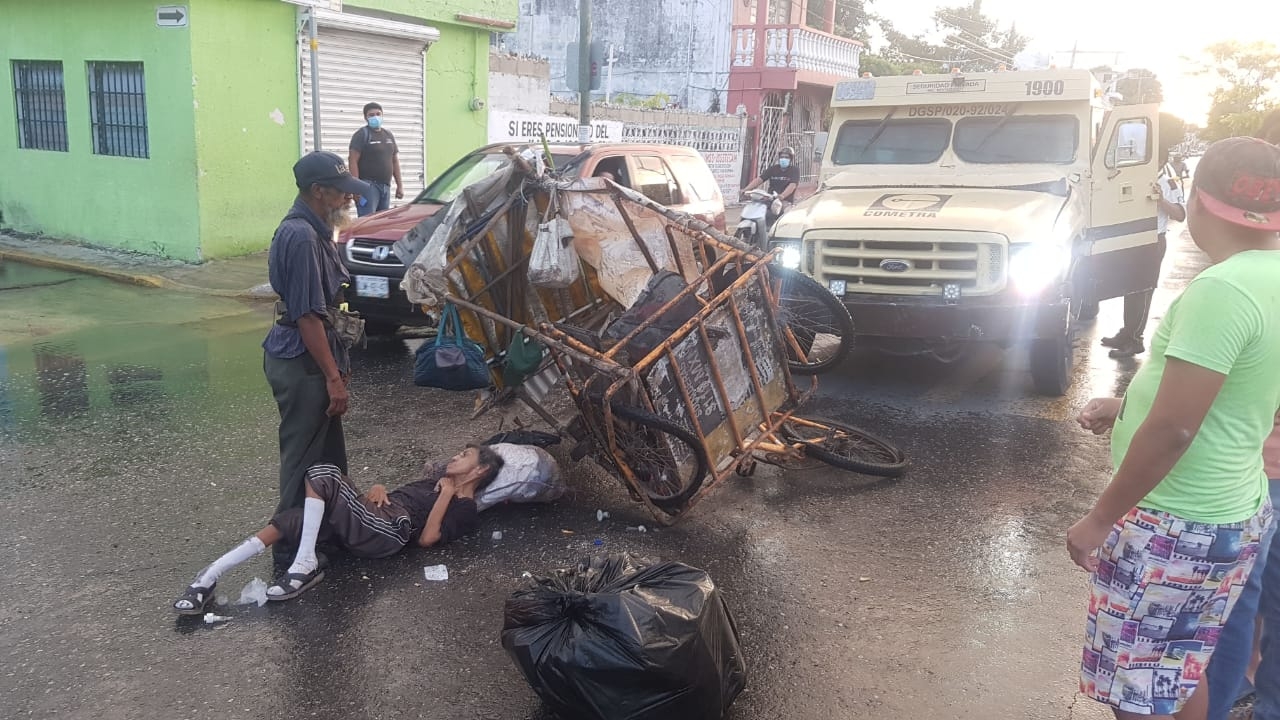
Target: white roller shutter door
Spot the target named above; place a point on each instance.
(359, 67)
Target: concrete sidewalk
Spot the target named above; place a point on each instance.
(242, 277)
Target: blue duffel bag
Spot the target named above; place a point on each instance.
(454, 361)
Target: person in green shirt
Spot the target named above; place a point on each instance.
(1173, 537)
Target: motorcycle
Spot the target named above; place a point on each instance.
(753, 228)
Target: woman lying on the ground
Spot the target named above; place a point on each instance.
(434, 510)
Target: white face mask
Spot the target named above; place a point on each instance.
(784, 163)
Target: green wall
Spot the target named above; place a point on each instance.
(244, 61)
(457, 71)
(148, 205)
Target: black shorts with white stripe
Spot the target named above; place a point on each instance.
(350, 520)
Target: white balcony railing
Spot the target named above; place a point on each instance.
(744, 46)
(798, 49)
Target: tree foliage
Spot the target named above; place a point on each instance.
(969, 39)
(1246, 76)
(851, 18)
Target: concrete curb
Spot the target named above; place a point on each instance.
(130, 278)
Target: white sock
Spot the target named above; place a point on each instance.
(237, 555)
(312, 515)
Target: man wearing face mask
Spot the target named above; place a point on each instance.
(374, 158)
(305, 360)
(783, 178)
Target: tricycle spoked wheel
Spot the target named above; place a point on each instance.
(817, 320)
(846, 447)
(667, 459)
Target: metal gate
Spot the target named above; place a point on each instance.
(359, 67)
(773, 116)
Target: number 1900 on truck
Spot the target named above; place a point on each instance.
(980, 207)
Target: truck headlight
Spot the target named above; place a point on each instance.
(1036, 266)
(789, 257)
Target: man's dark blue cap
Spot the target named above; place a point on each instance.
(325, 168)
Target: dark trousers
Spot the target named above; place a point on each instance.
(307, 435)
(1137, 306)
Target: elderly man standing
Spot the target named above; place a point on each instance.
(305, 360)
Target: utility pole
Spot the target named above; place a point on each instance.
(608, 87)
(584, 71)
(315, 78)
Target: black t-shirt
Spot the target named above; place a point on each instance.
(779, 178)
(417, 498)
(376, 148)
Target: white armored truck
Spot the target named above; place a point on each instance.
(980, 207)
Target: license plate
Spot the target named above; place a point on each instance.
(372, 286)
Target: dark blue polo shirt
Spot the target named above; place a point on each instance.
(306, 272)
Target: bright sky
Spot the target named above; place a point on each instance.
(1153, 34)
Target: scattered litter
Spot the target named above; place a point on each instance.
(210, 618)
(598, 542)
(526, 575)
(364, 577)
(417, 584)
(436, 572)
(638, 528)
(864, 579)
(497, 534)
(221, 600)
(255, 592)
(601, 516)
(567, 532)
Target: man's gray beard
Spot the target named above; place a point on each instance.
(339, 218)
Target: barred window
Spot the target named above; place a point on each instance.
(118, 109)
(41, 104)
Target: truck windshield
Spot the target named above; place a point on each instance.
(1017, 139)
(900, 142)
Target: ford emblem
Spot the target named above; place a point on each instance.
(895, 266)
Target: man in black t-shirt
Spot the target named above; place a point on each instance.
(434, 510)
(374, 158)
(783, 178)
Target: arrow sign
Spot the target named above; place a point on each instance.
(171, 16)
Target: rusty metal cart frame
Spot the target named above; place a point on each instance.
(695, 409)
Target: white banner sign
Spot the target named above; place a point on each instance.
(508, 127)
(727, 167)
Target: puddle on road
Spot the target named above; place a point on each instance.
(76, 351)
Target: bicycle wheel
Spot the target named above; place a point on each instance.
(818, 320)
(667, 460)
(846, 447)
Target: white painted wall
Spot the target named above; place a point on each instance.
(678, 47)
(519, 85)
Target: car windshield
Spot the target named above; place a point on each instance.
(1017, 139)
(469, 170)
(892, 142)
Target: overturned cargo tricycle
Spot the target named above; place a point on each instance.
(679, 345)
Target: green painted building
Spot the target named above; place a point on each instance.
(171, 129)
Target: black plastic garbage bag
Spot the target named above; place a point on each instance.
(619, 638)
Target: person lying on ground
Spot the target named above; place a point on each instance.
(432, 511)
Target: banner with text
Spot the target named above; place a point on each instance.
(507, 127)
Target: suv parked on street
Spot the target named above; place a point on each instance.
(674, 176)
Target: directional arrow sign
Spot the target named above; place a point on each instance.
(171, 16)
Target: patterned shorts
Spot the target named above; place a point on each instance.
(1162, 592)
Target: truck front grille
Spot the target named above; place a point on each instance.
(911, 262)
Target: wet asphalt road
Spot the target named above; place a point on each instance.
(137, 442)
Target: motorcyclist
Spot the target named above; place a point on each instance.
(783, 178)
